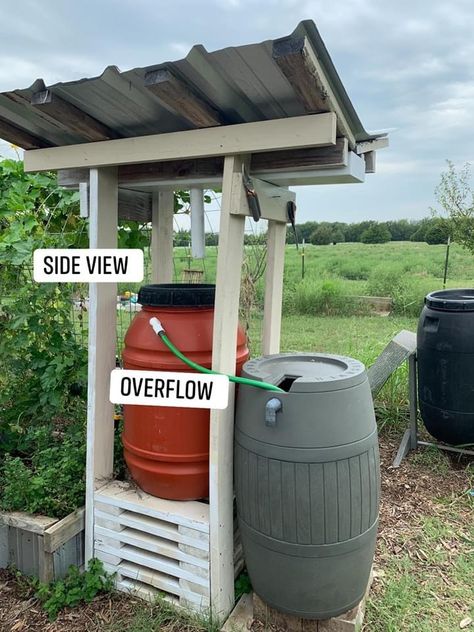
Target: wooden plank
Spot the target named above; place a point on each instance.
(45, 563)
(142, 577)
(64, 530)
(134, 205)
(399, 349)
(210, 169)
(70, 117)
(229, 266)
(4, 556)
(276, 238)
(241, 617)
(153, 527)
(301, 66)
(162, 237)
(370, 158)
(372, 145)
(191, 514)
(180, 97)
(102, 341)
(20, 137)
(28, 522)
(155, 562)
(150, 543)
(278, 134)
(353, 172)
(304, 159)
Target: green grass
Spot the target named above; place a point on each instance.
(428, 584)
(161, 616)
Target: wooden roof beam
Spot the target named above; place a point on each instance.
(20, 137)
(311, 158)
(71, 117)
(181, 98)
(300, 65)
(317, 130)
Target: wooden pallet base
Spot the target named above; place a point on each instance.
(155, 545)
(251, 608)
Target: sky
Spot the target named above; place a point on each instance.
(406, 65)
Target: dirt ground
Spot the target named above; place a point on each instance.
(407, 493)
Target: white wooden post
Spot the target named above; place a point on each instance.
(162, 237)
(102, 344)
(229, 266)
(276, 238)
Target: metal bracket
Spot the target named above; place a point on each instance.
(252, 197)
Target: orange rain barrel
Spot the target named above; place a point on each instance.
(167, 449)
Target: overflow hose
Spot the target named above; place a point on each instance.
(159, 331)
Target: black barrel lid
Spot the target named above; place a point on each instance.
(461, 300)
(177, 295)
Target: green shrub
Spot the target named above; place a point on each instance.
(75, 588)
(46, 474)
(407, 292)
(323, 297)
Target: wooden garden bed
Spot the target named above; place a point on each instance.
(41, 546)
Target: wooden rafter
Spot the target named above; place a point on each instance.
(71, 117)
(20, 137)
(298, 62)
(181, 98)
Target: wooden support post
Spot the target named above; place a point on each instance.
(162, 237)
(276, 238)
(102, 343)
(229, 266)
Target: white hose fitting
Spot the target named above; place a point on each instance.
(156, 325)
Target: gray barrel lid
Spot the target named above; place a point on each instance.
(306, 372)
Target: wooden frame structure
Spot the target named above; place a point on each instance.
(101, 524)
(127, 144)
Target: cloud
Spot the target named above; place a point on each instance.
(405, 64)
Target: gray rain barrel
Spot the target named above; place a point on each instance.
(307, 482)
(445, 358)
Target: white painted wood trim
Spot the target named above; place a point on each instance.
(162, 236)
(155, 562)
(314, 130)
(192, 514)
(276, 237)
(102, 345)
(353, 172)
(150, 543)
(372, 145)
(229, 266)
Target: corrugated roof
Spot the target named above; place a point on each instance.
(241, 84)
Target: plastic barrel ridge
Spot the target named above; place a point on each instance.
(445, 358)
(167, 449)
(308, 482)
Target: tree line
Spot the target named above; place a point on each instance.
(433, 230)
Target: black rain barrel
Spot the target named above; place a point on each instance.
(307, 482)
(446, 365)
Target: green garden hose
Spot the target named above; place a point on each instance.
(159, 331)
